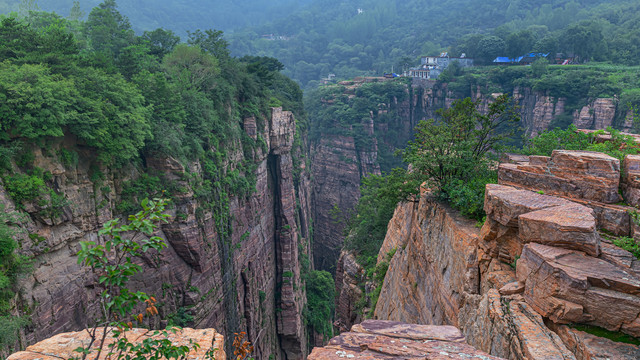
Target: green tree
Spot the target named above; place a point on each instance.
(519, 43)
(107, 29)
(210, 41)
(191, 68)
(456, 147)
(320, 289)
(76, 13)
(540, 67)
(11, 266)
(161, 42)
(490, 47)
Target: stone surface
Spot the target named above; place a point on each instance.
(569, 226)
(569, 286)
(505, 204)
(597, 115)
(426, 280)
(376, 339)
(590, 347)
(574, 174)
(232, 283)
(349, 274)
(62, 346)
(510, 328)
(336, 185)
(632, 180)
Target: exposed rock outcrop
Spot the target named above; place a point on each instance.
(63, 346)
(375, 339)
(243, 279)
(538, 262)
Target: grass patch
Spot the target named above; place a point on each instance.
(604, 333)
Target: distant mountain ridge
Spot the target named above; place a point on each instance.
(181, 15)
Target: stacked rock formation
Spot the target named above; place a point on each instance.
(538, 264)
(377, 339)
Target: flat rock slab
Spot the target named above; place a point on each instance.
(409, 331)
(62, 346)
(505, 204)
(570, 286)
(569, 226)
(588, 162)
(376, 339)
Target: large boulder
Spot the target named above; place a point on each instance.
(569, 286)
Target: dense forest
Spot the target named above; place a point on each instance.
(178, 15)
(375, 36)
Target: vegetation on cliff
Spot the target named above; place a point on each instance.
(576, 85)
(451, 156)
(127, 98)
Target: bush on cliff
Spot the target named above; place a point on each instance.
(320, 289)
(619, 145)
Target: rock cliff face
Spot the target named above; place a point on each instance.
(248, 280)
(340, 161)
(338, 164)
(538, 263)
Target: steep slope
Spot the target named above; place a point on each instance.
(537, 263)
(355, 128)
(205, 279)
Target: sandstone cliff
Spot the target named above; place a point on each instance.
(538, 263)
(339, 163)
(343, 155)
(246, 278)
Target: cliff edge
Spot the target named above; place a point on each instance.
(542, 261)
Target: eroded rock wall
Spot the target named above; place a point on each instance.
(246, 280)
(537, 263)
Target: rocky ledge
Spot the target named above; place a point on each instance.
(539, 265)
(378, 339)
(62, 346)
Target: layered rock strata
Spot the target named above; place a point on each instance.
(375, 339)
(538, 260)
(63, 346)
(242, 278)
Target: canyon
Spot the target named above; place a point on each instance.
(443, 270)
(338, 164)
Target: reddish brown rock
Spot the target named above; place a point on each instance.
(569, 286)
(348, 276)
(632, 179)
(568, 226)
(590, 347)
(62, 346)
(575, 174)
(400, 226)
(597, 115)
(505, 204)
(233, 282)
(393, 340)
(512, 288)
(509, 327)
